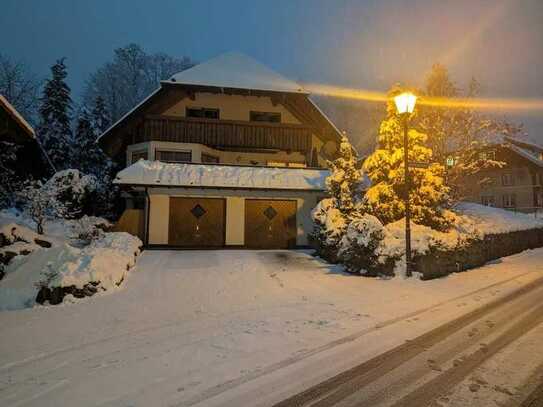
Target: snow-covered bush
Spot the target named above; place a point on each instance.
(37, 203)
(88, 229)
(74, 191)
(329, 227)
(359, 247)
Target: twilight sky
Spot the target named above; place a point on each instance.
(366, 44)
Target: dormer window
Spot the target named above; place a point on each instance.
(268, 117)
(202, 112)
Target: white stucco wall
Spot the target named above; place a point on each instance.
(159, 215)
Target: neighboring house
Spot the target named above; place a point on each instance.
(232, 155)
(518, 185)
(16, 130)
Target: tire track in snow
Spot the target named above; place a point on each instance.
(225, 386)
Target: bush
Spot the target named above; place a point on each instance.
(330, 226)
(358, 247)
(74, 191)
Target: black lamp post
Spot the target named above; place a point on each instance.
(405, 104)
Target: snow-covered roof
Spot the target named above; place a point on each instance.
(156, 173)
(17, 116)
(526, 154)
(235, 70)
(128, 113)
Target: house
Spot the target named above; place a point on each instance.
(14, 129)
(227, 153)
(518, 185)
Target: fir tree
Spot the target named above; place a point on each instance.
(344, 182)
(55, 115)
(332, 215)
(99, 116)
(385, 168)
(90, 158)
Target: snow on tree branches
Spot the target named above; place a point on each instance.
(386, 170)
(344, 186)
(54, 129)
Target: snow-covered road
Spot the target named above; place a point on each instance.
(228, 327)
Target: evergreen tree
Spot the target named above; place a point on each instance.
(99, 116)
(385, 168)
(55, 111)
(344, 182)
(332, 215)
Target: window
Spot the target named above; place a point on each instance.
(202, 112)
(173, 156)
(286, 164)
(509, 201)
(450, 161)
(266, 117)
(207, 158)
(508, 180)
(487, 155)
(138, 155)
(487, 200)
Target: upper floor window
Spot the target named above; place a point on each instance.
(509, 200)
(138, 155)
(487, 155)
(203, 112)
(508, 179)
(208, 158)
(269, 117)
(168, 156)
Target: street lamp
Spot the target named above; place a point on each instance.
(405, 104)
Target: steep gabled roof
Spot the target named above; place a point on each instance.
(230, 73)
(236, 71)
(16, 116)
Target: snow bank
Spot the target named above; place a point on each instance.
(106, 261)
(221, 176)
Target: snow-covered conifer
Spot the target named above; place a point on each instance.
(54, 129)
(385, 168)
(333, 214)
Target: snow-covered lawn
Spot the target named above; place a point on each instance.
(194, 326)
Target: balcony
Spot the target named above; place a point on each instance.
(224, 134)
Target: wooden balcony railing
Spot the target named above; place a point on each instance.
(225, 133)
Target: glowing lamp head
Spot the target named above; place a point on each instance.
(405, 102)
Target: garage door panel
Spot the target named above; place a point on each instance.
(197, 222)
(270, 224)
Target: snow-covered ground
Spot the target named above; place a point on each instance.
(194, 327)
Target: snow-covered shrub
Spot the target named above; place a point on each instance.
(88, 229)
(73, 191)
(359, 247)
(37, 203)
(329, 226)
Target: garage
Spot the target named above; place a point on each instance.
(197, 222)
(270, 224)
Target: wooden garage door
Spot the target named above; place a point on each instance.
(270, 224)
(197, 222)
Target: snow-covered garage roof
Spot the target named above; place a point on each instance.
(156, 173)
(235, 70)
